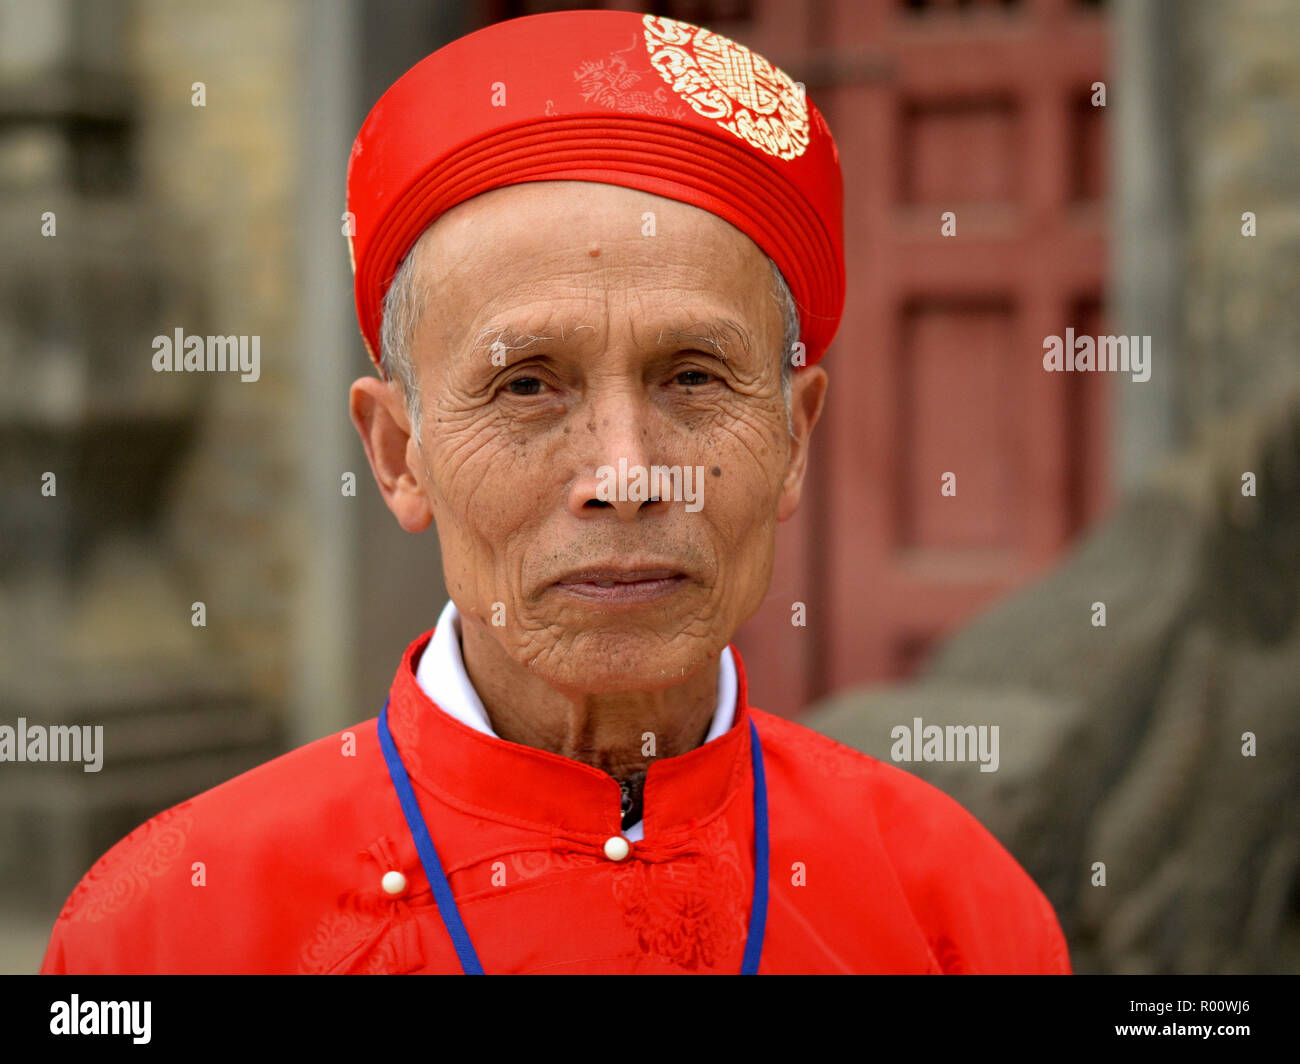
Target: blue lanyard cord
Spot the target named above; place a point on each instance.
(757, 907)
(446, 901)
(428, 854)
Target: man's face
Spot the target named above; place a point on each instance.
(560, 337)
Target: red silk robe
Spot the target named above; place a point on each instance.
(279, 870)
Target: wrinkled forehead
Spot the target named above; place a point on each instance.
(562, 254)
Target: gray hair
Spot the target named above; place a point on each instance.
(404, 300)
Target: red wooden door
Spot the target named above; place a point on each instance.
(983, 110)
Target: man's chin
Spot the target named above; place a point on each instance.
(612, 660)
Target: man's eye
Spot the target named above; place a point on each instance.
(525, 386)
(693, 378)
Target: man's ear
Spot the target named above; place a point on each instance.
(807, 394)
(379, 414)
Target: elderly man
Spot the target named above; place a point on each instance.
(597, 258)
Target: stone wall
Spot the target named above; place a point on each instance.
(128, 213)
(1237, 147)
(229, 172)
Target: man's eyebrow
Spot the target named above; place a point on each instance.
(514, 339)
(717, 334)
(509, 338)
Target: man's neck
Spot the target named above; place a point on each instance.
(620, 734)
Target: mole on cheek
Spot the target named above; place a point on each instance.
(717, 471)
(594, 251)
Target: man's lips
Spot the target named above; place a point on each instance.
(611, 584)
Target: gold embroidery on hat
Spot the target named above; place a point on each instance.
(723, 80)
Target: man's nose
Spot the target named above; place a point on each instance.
(616, 460)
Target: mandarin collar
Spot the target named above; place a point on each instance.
(537, 790)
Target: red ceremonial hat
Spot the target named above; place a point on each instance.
(612, 96)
